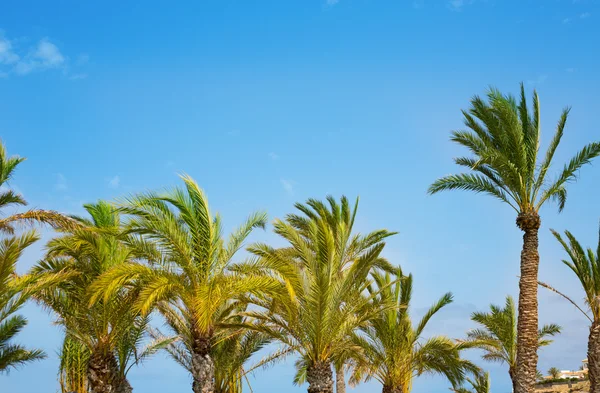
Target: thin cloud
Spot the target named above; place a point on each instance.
(332, 2)
(538, 81)
(288, 186)
(273, 156)
(585, 15)
(114, 182)
(570, 70)
(61, 182)
(458, 5)
(43, 56)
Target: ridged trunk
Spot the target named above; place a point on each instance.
(391, 389)
(513, 378)
(594, 357)
(340, 380)
(103, 375)
(320, 378)
(527, 326)
(203, 367)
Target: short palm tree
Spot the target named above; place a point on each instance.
(12, 298)
(230, 352)
(111, 331)
(394, 351)
(504, 139)
(586, 266)
(323, 273)
(498, 335)
(554, 372)
(479, 384)
(190, 275)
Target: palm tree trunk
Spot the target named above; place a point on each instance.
(320, 378)
(103, 375)
(391, 389)
(527, 326)
(340, 381)
(203, 367)
(594, 357)
(513, 378)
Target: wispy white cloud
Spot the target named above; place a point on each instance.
(458, 5)
(114, 182)
(570, 70)
(61, 182)
(585, 15)
(539, 80)
(273, 156)
(331, 2)
(42, 56)
(566, 21)
(288, 186)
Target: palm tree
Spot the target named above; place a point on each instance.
(190, 275)
(9, 198)
(479, 384)
(393, 349)
(504, 139)
(323, 274)
(11, 299)
(111, 331)
(74, 358)
(498, 335)
(554, 373)
(586, 266)
(230, 352)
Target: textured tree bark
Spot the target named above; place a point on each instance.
(513, 378)
(391, 389)
(594, 357)
(527, 326)
(320, 378)
(203, 367)
(340, 381)
(103, 375)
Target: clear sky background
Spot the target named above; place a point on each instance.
(266, 103)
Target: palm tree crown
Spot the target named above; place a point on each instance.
(323, 273)
(393, 349)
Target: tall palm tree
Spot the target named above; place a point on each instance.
(586, 266)
(323, 274)
(394, 351)
(190, 275)
(498, 335)
(479, 384)
(111, 330)
(12, 298)
(504, 138)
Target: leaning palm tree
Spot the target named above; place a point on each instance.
(504, 139)
(394, 351)
(479, 384)
(190, 275)
(498, 336)
(111, 330)
(9, 198)
(586, 266)
(12, 298)
(323, 275)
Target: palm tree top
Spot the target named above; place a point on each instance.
(504, 138)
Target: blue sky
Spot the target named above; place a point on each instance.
(266, 103)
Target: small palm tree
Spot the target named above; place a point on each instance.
(586, 266)
(504, 139)
(539, 376)
(479, 384)
(323, 274)
(12, 298)
(554, 373)
(393, 349)
(111, 330)
(190, 275)
(498, 335)
(74, 358)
